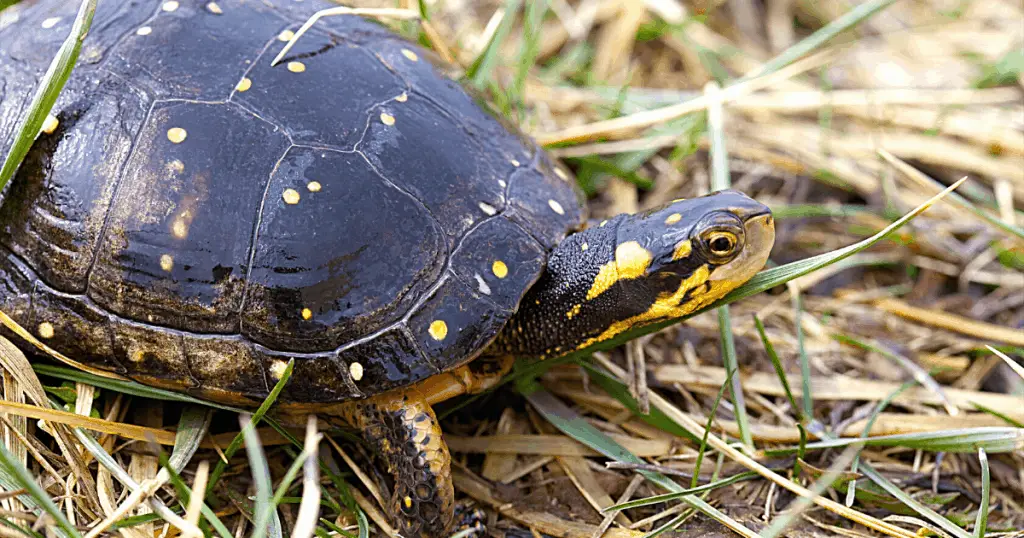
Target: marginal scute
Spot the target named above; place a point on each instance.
(470, 323)
(388, 361)
(522, 260)
(225, 368)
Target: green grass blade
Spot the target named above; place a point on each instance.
(914, 504)
(48, 91)
(807, 397)
(573, 425)
(779, 370)
(479, 72)
(674, 496)
(236, 443)
(721, 180)
(261, 478)
(994, 439)
(981, 523)
(23, 478)
(703, 448)
(130, 388)
(824, 34)
(1007, 419)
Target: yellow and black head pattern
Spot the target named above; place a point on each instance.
(633, 270)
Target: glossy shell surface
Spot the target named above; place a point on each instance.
(194, 217)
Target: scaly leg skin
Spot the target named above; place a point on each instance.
(402, 428)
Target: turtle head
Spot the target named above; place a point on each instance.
(634, 270)
(718, 241)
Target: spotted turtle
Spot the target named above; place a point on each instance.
(194, 217)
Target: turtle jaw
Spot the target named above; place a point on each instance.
(759, 231)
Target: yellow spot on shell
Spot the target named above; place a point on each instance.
(296, 67)
(176, 135)
(170, 5)
(166, 262)
(673, 218)
(51, 22)
(487, 208)
(682, 250)
(291, 196)
(584, 247)
(212, 7)
(402, 98)
(631, 261)
(438, 330)
(410, 55)
(286, 35)
(387, 119)
(356, 371)
(244, 84)
(307, 313)
(45, 330)
(314, 186)
(179, 228)
(50, 124)
(277, 368)
(144, 31)
(561, 173)
(556, 207)
(514, 163)
(499, 269)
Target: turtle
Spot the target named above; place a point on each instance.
(196, 218)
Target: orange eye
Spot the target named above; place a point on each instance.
(722, 243)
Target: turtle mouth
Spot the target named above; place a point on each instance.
(759, 229)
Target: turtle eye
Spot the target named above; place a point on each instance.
(721, 245)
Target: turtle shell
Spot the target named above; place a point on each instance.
(198, 217)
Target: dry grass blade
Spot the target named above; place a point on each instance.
(953, 322)
(195, 503)
(725, 448)
(1018, 369)
(392, 13)
(309, 506)
(625, 125)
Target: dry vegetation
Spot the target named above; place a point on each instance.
(840, 139)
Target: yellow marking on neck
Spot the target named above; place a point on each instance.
(438, 330)
(682, 250)
(673, 218)
(631, 261)
(574, 312)
(666, 306)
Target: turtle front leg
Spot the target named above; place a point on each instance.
(403, 430)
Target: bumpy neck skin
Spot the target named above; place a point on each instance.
(638, 269)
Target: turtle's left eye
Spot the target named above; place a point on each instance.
(721, 243)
